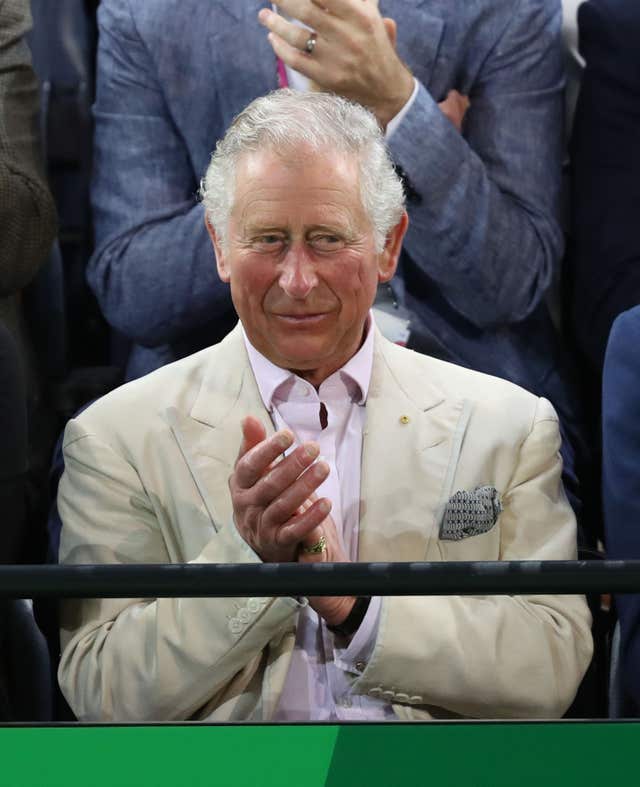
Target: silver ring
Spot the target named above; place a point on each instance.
(311, 44)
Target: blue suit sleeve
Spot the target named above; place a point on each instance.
(153, 270)
(621, 475)
(485, 224)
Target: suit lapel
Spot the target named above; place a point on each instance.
(410, 450)
(243, 62)
(209, 435)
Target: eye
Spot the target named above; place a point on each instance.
(327, 242)
(267, 242)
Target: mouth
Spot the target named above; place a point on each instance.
(301, 319)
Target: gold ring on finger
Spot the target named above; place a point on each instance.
(316, 549)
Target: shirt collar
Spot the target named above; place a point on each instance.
(270, 377)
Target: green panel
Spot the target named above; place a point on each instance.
(169, 756)
(359, 755)
(487, 755)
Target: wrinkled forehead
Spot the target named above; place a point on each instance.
(303, 179)
(298, 156)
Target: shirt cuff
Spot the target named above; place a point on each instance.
(355, 656)
(393, 124)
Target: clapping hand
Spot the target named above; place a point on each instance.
(270, 493)
(354, 53)
(276, 510)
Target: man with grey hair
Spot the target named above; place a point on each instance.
(484, 243)
(306, 436)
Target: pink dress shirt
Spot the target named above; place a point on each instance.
(318, 684)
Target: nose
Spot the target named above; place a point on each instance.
(297, 275)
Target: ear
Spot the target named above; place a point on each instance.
(221, 264)
(389, 256)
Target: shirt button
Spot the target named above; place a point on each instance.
(360, 666)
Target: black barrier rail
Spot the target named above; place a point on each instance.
(320, 579)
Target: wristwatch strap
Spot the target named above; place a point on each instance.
(352, 622)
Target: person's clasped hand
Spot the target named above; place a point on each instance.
(276, 510)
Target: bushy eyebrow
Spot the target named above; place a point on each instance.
(266, 229)
(263, 229)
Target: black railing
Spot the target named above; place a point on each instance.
(321, 579)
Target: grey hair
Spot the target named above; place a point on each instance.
(286, 119)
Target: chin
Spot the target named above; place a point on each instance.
(300, 354)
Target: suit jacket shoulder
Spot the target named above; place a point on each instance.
(205, 384)
(486, 393)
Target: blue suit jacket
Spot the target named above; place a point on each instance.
(484, 240)
(621, 477)
(606, 179)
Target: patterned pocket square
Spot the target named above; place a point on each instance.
(470, 513)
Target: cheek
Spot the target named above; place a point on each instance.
(353, 271)
(366, 279)
(354, 281)
(251, 280)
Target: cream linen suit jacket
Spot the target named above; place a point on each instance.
(146, 481)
